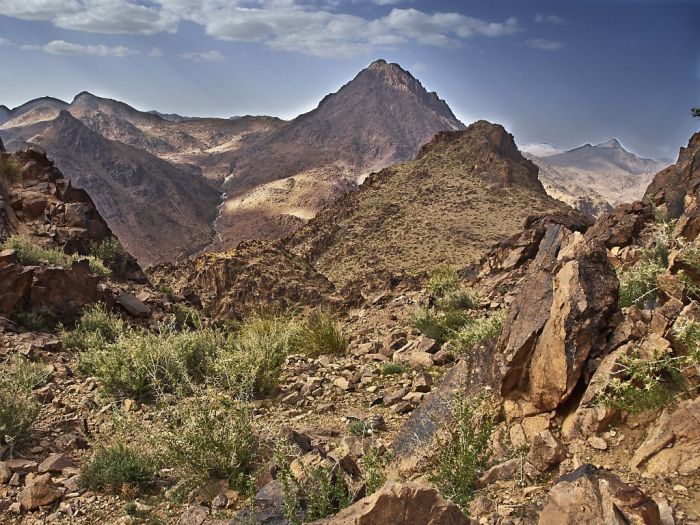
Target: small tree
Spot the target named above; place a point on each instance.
(695, 112)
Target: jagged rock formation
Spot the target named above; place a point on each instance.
(159, 211)
(592, 179)
(383, 116)
(254, 275)
(465, 191)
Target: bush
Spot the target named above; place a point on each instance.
(112, 253)
(461, 298)
(252, 363)
(464, 450)
(393, 368)
(374, 466)
(438, 325)
(638, 284)
(208, 437)
(18, 407)
(141, 364)
(443, 280)
(10, 170)
(118, 467)
(186, 316)
(32, 321)
(319, 335)
(478, 330)
(96, 328)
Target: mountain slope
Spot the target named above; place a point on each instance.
(589, 176)
(465, 191)
(381, 117)
(158, 211)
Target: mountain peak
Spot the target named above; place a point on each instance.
(612, 143)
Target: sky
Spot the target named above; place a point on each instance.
(564, 72)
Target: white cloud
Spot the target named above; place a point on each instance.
(5, 42)
(314, 27)
(94, 16)
(544, 45)
(61, 47)
(550, 19)
(203, 56)
(155, 52)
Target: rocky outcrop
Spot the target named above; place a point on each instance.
(589, 496)
(400, 504)
(256, 274)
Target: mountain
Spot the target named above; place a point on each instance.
(158, 211)
(382, 116)
(464, 191)
(4, 114)
(37, 110)
(594, 178)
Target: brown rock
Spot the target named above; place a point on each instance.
(55, 463)
(132, 305)
(400, 504)
(589, 496)
(546, 452)
(39, 494)
(15, 282)
(62, 292)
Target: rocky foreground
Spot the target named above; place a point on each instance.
(555, 382)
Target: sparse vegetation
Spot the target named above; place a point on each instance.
(32, 321)
(29, 253)
(374, 465)
(111, 253)
(318, 335)
(186, 316)
(438, 325)
(443, 281)
(10, 170)
(464, 449)
(478, 329)
(96, 328)
(18, 407)
(118, 468)
(393, 368)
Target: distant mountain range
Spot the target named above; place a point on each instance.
(591, 178)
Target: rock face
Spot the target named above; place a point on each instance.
(465, 191)
(400, 504)
(257, 273)
(589, 496)
(561, 315)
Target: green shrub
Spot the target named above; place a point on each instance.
(638, 284)
(32, 321)
(461, 298)
(18, 407)
(10, 170)
(166, 289)
(96, 265)
(464, 450)
(443, 280)
(112, 253)
(186, 316)
(118, 467)
(141, 364)
(374, 466)
(393, 368)
(436, 324)
(320, 334)
(252, 363)
(478, 330)
(208, 437)
(96, 328)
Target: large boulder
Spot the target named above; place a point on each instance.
(62, 292)
(15, 282)
(560, 316)
(400, 504)
(589, 496)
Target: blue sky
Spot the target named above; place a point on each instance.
(564, 72)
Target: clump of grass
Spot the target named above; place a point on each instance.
(477, 330)
(112, 254)
(210, 437)
(10, 170)
(96, 328)
(443, 280)
(464, 450)
(436, 324)
(18, 407)
(165, 288)
(118, 467)
(320, 334)
(393, 369)
(460, 298)
(29, 253)
(186, 316)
